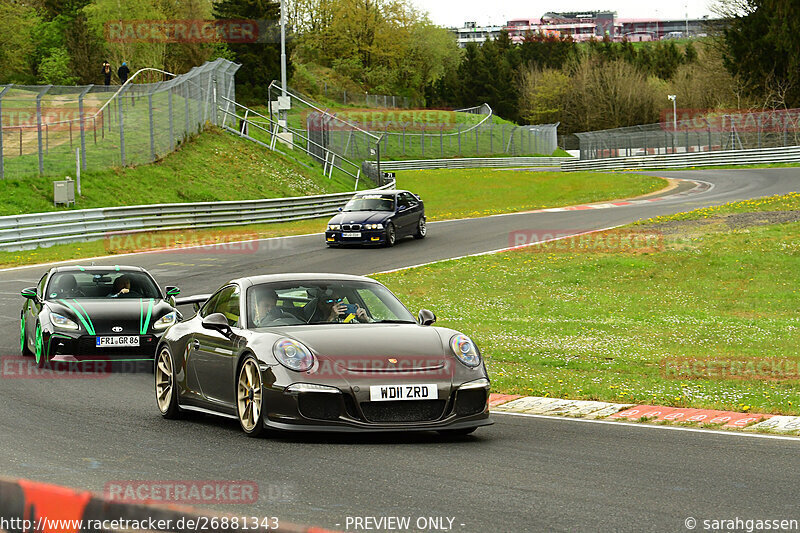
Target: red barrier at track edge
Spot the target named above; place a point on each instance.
(31, 507)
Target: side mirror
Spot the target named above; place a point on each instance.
(217, 322)
(29, 293)
(426, 318)
(172, 291)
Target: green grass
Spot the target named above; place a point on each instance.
(213, 166)
(480, 192)
(576, 320)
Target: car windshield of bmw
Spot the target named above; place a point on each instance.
(345, 302)
(96, 285)
(371, 202)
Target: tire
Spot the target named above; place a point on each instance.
(456, 432)
(391, 235)
(42, 358)
(422, 229)
(165, 389)
(250, 397)
(23, 339)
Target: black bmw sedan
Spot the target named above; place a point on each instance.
(377, 218)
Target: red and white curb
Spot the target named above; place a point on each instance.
(701, 186)
(537, 405)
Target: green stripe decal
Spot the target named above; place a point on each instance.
(90, 329)
(144, 322)
(87, 325)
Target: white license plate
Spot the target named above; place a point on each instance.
(117, 341)
(388, 393)
(352, 234)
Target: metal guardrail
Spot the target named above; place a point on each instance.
(473, 162)
(26, 232)
(788, 154)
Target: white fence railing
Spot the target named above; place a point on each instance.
(25, 232)
(789, 154)
(473, 162)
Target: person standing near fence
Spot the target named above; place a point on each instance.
(123, 73)
(106, 73)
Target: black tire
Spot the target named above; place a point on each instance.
(23, 338)
(422, 229)
(165, 384)
(456, 432)
(251, 423)
(41, 355)
(391, 235)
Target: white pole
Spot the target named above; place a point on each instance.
(78, 168)
(283, 46)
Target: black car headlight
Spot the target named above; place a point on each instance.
(293, 355)
(62, 322)
(465, 350)
(165, 321)
(334, 227)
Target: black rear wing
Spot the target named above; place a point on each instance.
(196, 300)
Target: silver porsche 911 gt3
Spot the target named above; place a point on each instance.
(320, 352)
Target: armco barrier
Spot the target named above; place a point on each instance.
(787, 154)
(25, 232)
(41, 503)
(473, 162)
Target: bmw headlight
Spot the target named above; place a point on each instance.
(62, 322)
(165, 321)
(334, 227)
(293, 355)
(373, 226)
(465, 350)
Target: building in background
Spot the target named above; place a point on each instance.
(584, 26)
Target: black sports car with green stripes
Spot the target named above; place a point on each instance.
(95, 313)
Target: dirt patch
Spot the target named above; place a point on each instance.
(726, 222)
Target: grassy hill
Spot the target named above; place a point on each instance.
(213, 166)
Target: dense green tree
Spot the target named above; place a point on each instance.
(19, 21)
(261, 62)
(762, 48)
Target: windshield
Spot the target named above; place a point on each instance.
(336, 302)
(96, 284)
(371, 202)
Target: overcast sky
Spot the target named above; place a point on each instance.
(484, 12)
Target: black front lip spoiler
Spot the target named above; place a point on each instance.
(348, 427)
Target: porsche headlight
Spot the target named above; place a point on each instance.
(165, 321)
(334, 227)
(465, 350)
(62, 322)
(373, 226)
(293, 355)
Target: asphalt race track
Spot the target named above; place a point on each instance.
(522, 474)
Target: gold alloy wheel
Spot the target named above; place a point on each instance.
(249, 395)
(164, 382)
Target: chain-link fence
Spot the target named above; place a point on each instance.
(705, 132)
(49, 130)
(353, 98)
